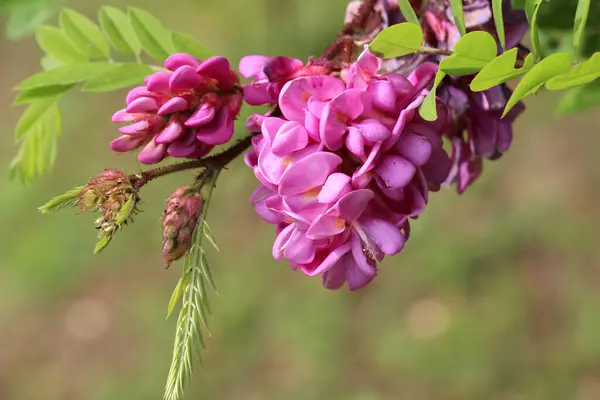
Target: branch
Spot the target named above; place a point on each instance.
(443, 52)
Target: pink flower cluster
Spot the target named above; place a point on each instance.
(345, 166)
(181, 112)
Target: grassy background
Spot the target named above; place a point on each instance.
(497, 295)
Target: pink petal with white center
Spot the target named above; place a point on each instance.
(351, 206)
(178, 60)
(336, 186)
(202, 116)
(215, 67)
(308, 173)
(373, 130)
(296, 93)
(414, 148)
(153, 153)
(252, 66)
(318, 267)
(126, 143)
(349, 103)
(355, 142)
(159, 82)
(299, 249)
(171, 133)
(290, 137)
(384, 234)
(332, 129)
(396, 171)
(281, 241)
(217, 131)
(185, 79)
(269, 128)
(176, 104)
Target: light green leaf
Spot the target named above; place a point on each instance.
(408, 12)
(26, 17)
(459, 16)
(397, 40)
(68, 199)
(103, 241)
(581, 16)
(541, 73)
(35, 113)
(122, 76)
(209, 235)
(183, 282)
(583, 73)
(125, 212)
(117, 28)
(206, 271)
(580, 99)
(499, 21)
(66, 75)
(501, 69)
(57, 44)
(471, 54)
(31, 95)
(184, 43)
(428, 109)
(532, 8)
(84, 33)
(47, 63)
(155, 39)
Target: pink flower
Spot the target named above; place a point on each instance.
(181, 112)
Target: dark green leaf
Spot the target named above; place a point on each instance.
(581, 16)
(57, 44)
(155, 39)
(184, 43)
(35, 113)
(471, 54)
(583, 73)
(84, 33)
(501, 69)
(122, 76)
(541, 73)
(117, 28)
(428, 109)
(499, 21)
(408, 12)
(66, 75)
(459, 16)
(397, 40)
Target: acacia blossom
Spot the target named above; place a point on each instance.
(344, 168)
(181, 112)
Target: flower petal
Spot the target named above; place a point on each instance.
(299, 249)
(217, 131)
(282, 238)
(185, 79)
(202, 116)
(373, 130)
(126, 143)
(351, 206)
(326, 226)
(319, 267)
(142, 105)
(252, 66)
(414, 148)
(158, 82)
(395, 171)
(215, 67)
(336, 186)
(290, 137)
(153, 152)
(171, 133)
(176, 104)
(295, 94)
(178, 60)
(384, 234)
(308, 173)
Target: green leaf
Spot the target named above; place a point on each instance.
(184, 43)
(35, 113)
(102, 242)
(209, 235)
(31, 95)
(541, 73)
(580, 99)
(428, 109)
(155, 39)
(206, 271)
(183, 282)
(25, 18)
(499, 21)
(125, 212)
(582, 74)
(408, 12)
(57, 44)
(117, 28)
(397, 40)
(532, 8)
(47, 63)
(66, 75)
(581, 16)
(459, 16)
(84, 33)
(122, 76)
(68, 199)
(501, 69)
(471, 54)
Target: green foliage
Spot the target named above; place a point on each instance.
(459, 16)
(68, 199)
(581, 16)
(501, 69)
(119, 32)
(428, 109)
(581, 74)
(154, 38)
(408, 12)
(184, 43)
(120, 76)
(541, 73)
(471, 54)
(499, 21)
(532, 8)
(580, 99)
(86, 35)
(73, 73)
(397, 40)
(56, 43)
(209, 235)
(24, 16)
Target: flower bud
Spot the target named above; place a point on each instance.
(179, 222)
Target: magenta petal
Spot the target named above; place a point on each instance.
(414, 148)
(138, 128)
(332, 258)
(300, 202)
(202, 116)
(373, 130)
(383, 95)
(269, 128)
(142, 105)
(177, 60)
(257, 94)
(385, 234)
(171, 133)
(349, 103)
(315, 106)
(299, 249)
(153, 153)
(159, 82)
(352, 205)
(122, 116)
(282, 238)
(396, 171)
(355, 142)
(176, 104)
(368, 63)
(184, 79)
(271, 166)
(140, 91)
(331, 130)
(334, 278)
(326, 226)
(311, 123)
(252, 66)
(358, 252)
(218, 131)
(126, 143)
(296, 93)
(215, 67)
(308, 173)
(290, 137)
(354, 275)
(336, 185)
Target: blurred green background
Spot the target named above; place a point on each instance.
(497, 295)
